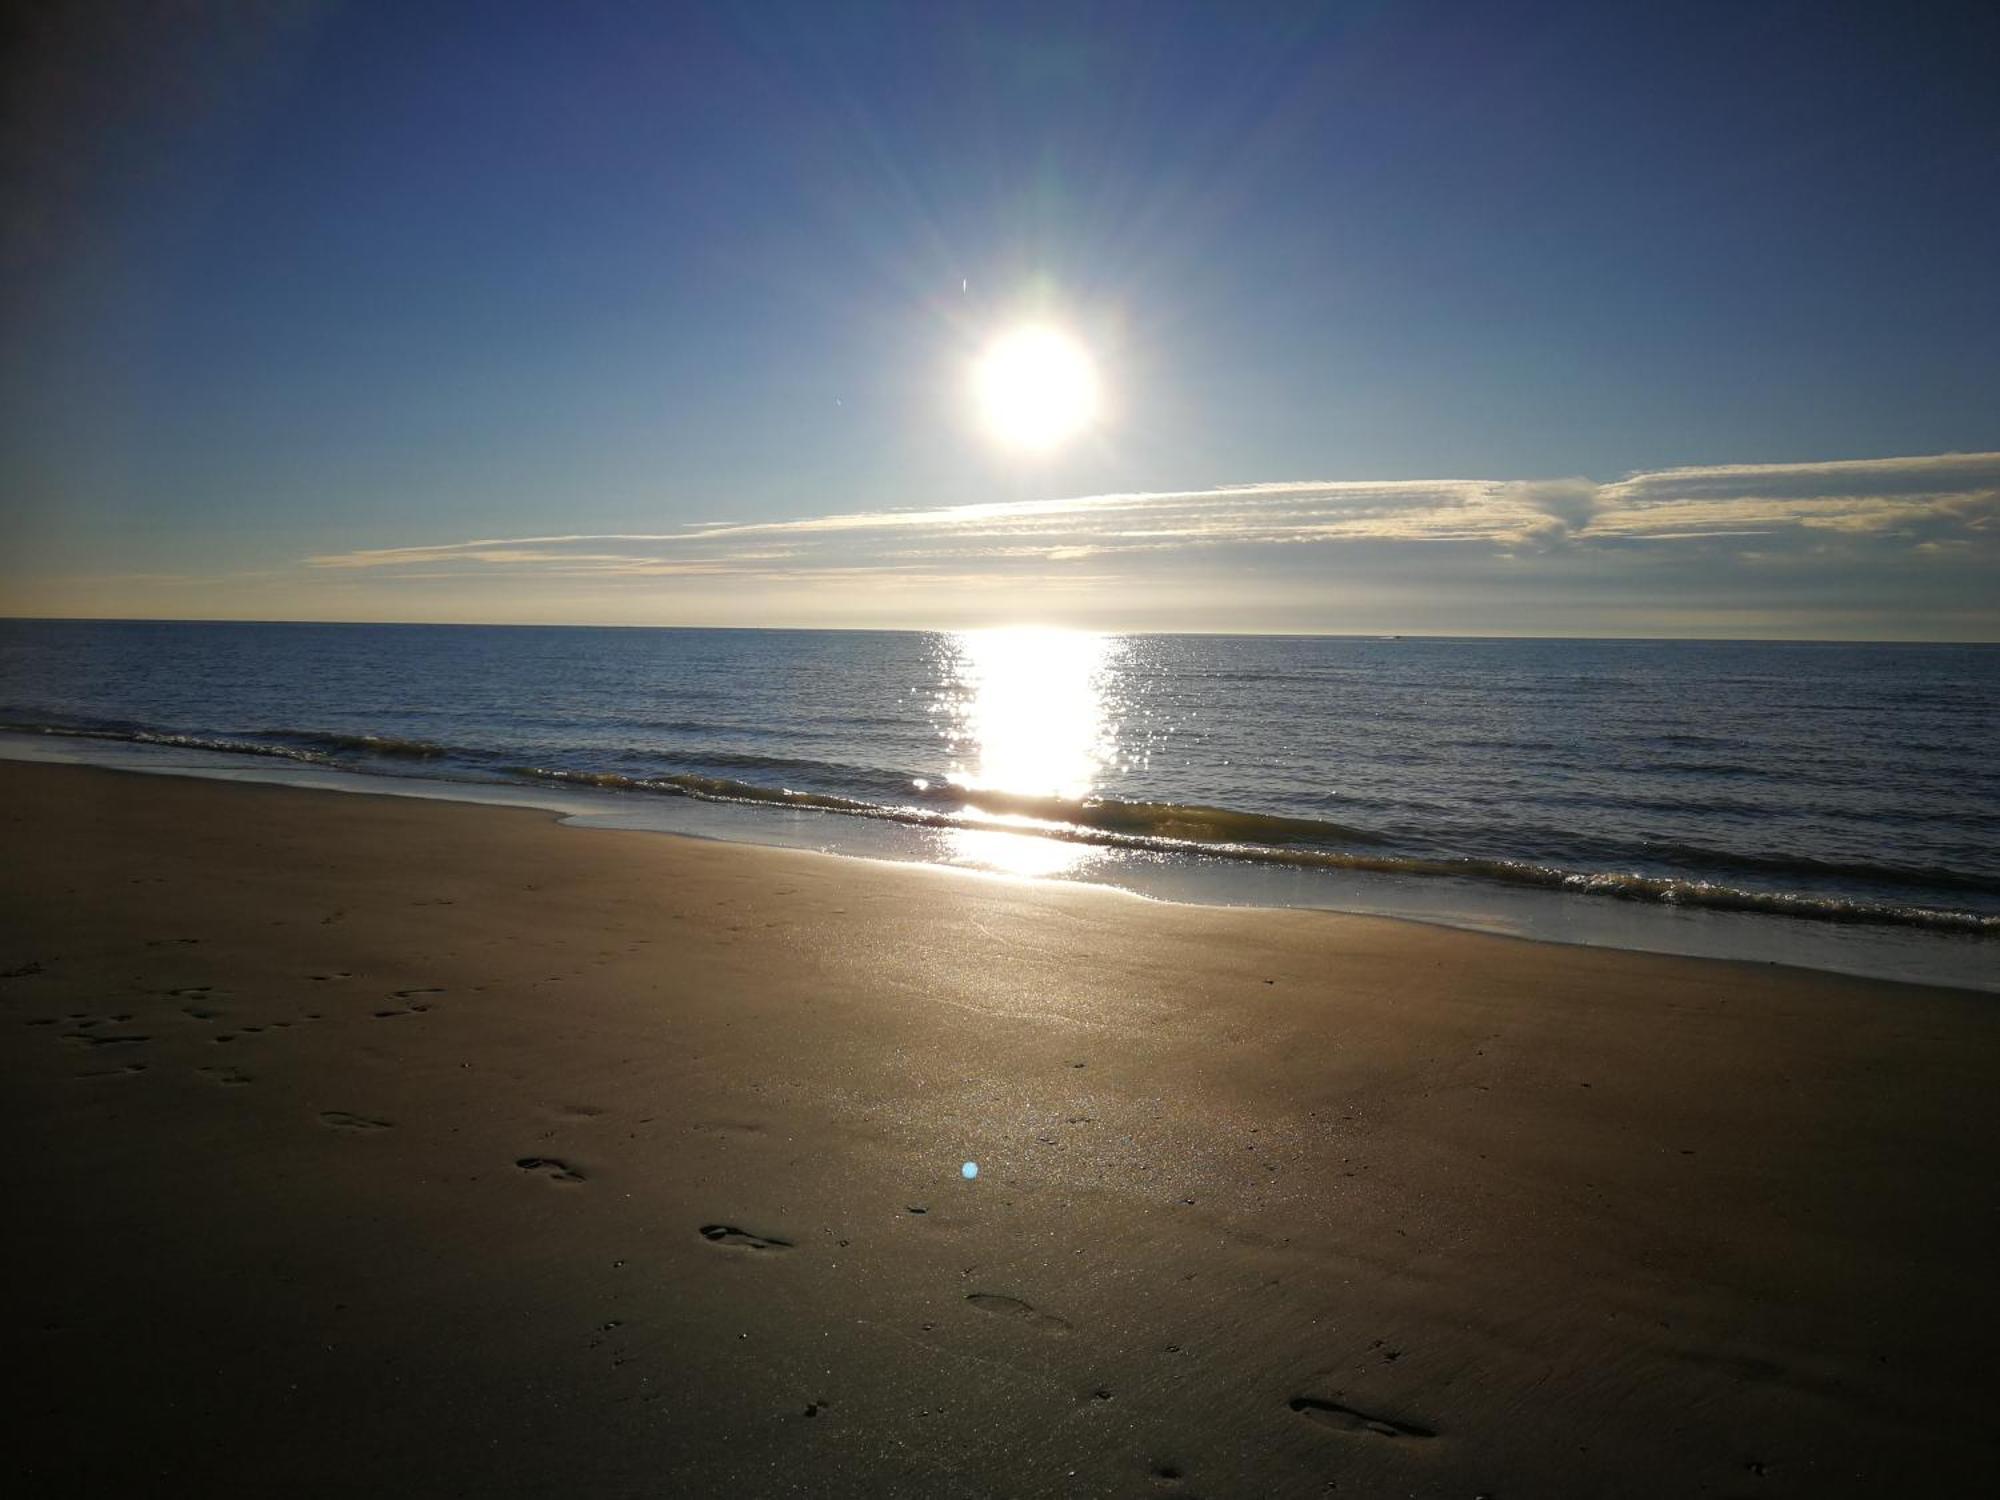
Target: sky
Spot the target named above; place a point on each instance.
(1477, 318)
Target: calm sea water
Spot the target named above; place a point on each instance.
(1794, 783)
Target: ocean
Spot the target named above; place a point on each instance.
(1834, 805)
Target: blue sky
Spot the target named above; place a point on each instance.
(295, 295)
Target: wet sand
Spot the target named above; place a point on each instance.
(369, 1145)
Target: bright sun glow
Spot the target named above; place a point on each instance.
(1035, 387)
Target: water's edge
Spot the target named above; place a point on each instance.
(1112, 827)
(1954, 960)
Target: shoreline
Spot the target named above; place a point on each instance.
(1865, 950)
(391, 1142)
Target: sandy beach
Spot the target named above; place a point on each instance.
(370, 1145)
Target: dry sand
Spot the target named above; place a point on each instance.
(362, 1145)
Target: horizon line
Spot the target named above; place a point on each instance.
(1344, 635)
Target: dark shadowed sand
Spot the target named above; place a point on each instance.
(361, 1145)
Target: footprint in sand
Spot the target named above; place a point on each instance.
(1347, 1419)
(411, 1005)
(229, 1076)
(726, 1128)
(340, 1119)
(743, 1239)
(1014, 1307)
(553, 1167)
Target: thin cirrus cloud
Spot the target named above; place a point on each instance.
(1944, 503)
(1889, 549)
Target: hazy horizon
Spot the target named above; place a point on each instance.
(1028, 625)
(1896, 549)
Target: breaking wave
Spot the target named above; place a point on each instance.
(1222, 833)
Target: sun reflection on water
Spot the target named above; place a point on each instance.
(1024, 854)
(1026, 726)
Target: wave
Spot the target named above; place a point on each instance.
(1181, 821)
(1169, 822)
(1171, 829)
(704, 788)
(1660, 890)
(372, 744)
(776, 765)
(312, 747)
(996, 812)
(1936, 877)
(178, 741)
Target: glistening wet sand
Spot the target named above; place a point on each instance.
(371, 1144)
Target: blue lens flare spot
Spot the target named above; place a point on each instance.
(969, 1171)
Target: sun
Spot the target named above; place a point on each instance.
(1035, 387)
